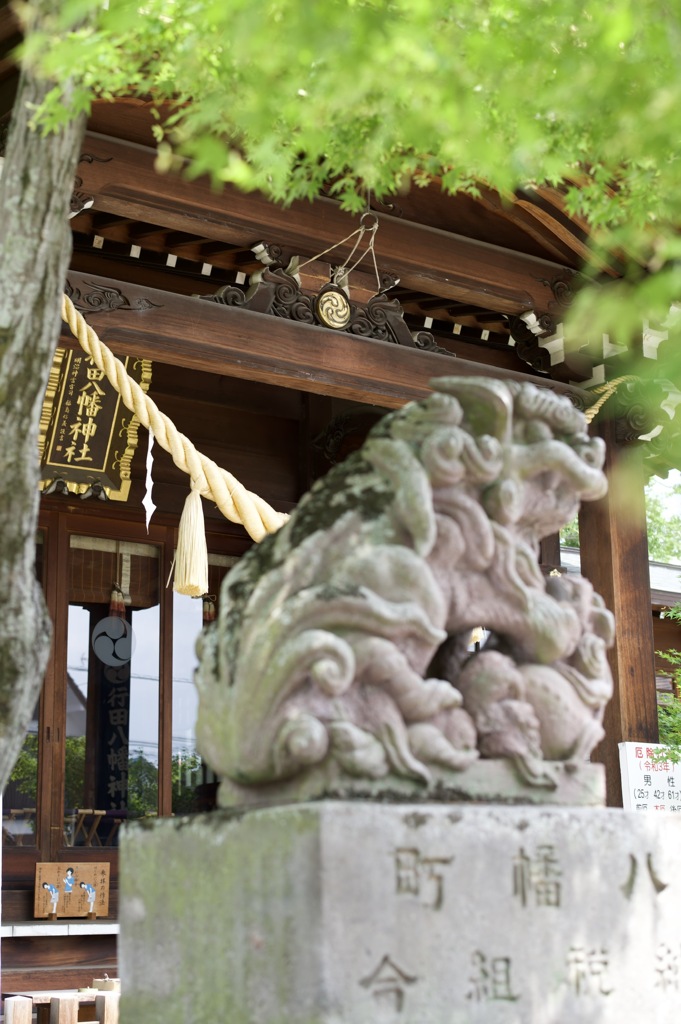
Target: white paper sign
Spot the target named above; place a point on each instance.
(650, 782)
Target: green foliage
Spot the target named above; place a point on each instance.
(142, 786)
(142, 777)
(292, 96)
(569, 535)
(664, 527)
(185, 767)
(669, 713)
(25, 773)
(74, 771)
(669, 719)
(288, 95)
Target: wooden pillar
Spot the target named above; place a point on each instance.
(549, 552)
(614, 557)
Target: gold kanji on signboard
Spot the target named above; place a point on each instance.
(87, 436)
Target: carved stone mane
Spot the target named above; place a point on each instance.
(342, 646)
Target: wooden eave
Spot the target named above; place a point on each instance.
(465, 289)
(122, 180)
(186, 331)
(661, 599)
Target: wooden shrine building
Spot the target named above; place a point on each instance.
(191, 286)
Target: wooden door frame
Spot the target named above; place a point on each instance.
(58, 525)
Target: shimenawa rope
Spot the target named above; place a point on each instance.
(606, 391)
(207, 479)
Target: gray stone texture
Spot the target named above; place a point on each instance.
(362, 913)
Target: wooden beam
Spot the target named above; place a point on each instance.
(122, 179)
(191, 332)
(614, 557)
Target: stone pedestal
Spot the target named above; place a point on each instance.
(360, 913)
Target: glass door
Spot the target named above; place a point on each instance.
(194, 785)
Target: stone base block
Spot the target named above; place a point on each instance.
(361, 913)
(494, 781)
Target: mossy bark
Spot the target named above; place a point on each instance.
(35, 247)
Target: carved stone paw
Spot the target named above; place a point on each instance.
(431, 746)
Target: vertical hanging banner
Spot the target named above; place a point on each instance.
(87, 436)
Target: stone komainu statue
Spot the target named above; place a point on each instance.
(343, 641)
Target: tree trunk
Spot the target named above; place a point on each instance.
(35, 246)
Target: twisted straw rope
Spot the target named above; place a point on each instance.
(216, 484)
(606, 391)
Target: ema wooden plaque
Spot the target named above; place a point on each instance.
(71, 890)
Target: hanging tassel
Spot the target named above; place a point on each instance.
(208, 608)
(191, 563)
(116, 604)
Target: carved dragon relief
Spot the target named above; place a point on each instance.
(342, 640)
(106, 299)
